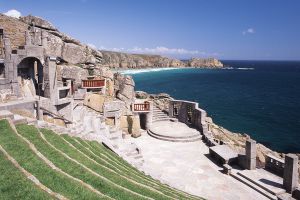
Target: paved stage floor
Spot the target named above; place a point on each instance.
(185, 166)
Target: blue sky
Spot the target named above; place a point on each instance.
(226, 29)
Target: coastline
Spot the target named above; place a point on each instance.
(235, 138)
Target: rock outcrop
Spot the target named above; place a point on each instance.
(124, 89)
(125, 60)
(133, 61)
(204, 62)
(68, 49)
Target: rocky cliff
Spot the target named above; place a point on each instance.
(204, 62)
(68, 49)
(125, 60)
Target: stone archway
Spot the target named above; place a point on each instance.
(30, 77)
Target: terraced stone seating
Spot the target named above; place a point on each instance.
(65, 167)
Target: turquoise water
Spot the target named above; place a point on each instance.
(259, 98)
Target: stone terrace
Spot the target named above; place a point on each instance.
(186, 166)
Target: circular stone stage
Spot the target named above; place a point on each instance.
(174, 132)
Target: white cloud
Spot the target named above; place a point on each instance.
(13, 13)
(164, 50)
(249, 31)
(157, 50)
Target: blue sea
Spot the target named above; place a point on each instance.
(259, 98)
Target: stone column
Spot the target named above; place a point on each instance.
(50, 80)
(148, 120)
(27, 38)
(251, 154)
(290, 173)
(39, 111)
(7, 47)
(171, 104)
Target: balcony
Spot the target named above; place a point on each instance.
(141, 107)
(93, 84)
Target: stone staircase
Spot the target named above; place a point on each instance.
(265, 189)
(16, 119)
(90, 125)
(159, 115)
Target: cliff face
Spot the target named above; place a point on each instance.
(59, 44)
(125, 60)
(208, 62)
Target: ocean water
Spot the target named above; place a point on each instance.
(259, 98)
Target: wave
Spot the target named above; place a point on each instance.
(246, 68)
(138, 71)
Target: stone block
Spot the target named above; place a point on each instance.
(94, 101)
(250, 154)
(290, 175)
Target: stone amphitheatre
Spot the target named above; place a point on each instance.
(71, 128)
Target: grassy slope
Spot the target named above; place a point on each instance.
(14, 184)
(92, 155)
(57, 182)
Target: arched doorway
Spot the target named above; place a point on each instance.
(31, 77)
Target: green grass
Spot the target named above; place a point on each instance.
(107, 169)
(101, 154)
(100, 167)
(57, 182)
(71, 167)
(15, 185)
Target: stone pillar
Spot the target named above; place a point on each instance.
(7, 48)
(148, 120)
(171, 103)
(290, 174)
(39, 111)
(27, 38)
(50, 80)
(251, 154)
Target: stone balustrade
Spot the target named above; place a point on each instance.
(274, 165)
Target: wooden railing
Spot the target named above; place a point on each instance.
(93, 83)
(141, 106)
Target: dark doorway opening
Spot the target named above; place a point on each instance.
(2, 70)
(143, 119)
(30, 75)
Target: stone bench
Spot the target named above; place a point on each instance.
(227, 169)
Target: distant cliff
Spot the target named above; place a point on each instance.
(206, 62)
(126, 60)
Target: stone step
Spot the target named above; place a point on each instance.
(253, 186)
(6, 114)
(18, 119)
(260, 185)
(174, 139)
